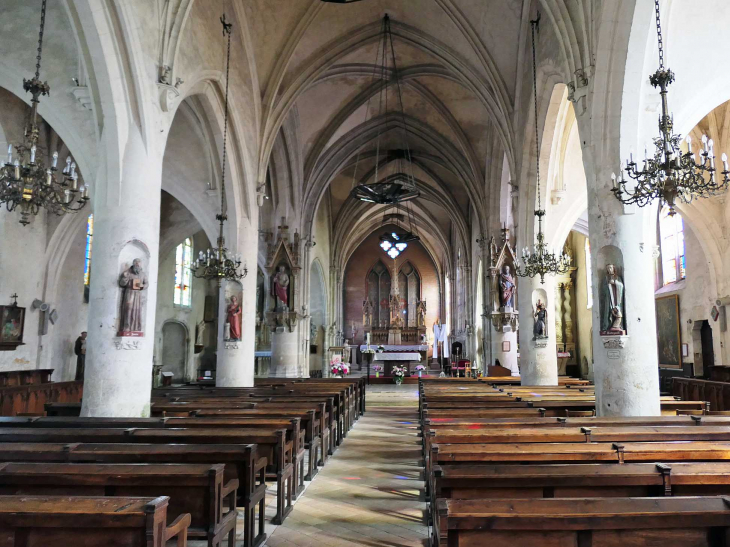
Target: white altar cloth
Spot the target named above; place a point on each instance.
(398, 349)
(397, 357)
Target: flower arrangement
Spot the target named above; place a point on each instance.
(339, 369)
(378, 369)
(420, 369)
(398, 374)
(381, 349)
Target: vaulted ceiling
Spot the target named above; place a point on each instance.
(457, 60)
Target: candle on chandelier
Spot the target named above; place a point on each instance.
(55, 160)
(17, 169)
(10, 154)
(75, 182)
(49, 174)
(32, 153)
(67, 169)
(613, 181)
(724, 161)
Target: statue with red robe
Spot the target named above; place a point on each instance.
(281, 289)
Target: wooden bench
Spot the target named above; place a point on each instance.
(604, 522)
(241, 463)
(272, 445)
(81, 521)
(195, 489)
(25, 377)
(32, 398)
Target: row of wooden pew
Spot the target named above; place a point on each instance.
(525, 466)
(204, 453)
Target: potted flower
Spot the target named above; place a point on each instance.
(398, 374)
(378, 369)
(420, 369)
(337, 368)
(381, 349)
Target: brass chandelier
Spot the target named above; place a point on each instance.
(540, 260)
(216, 263)
(25, 183)
(670, 173)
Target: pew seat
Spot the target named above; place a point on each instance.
(71, 521)
(583, 522)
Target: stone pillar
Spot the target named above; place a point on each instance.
(284, 353)
(118, 376)
(538, 358)
(236, 362)
(558, 315)
(625, 367)
(504, 349)
(568, 312)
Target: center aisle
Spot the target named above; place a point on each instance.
(370, 492)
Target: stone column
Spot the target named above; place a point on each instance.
(538, 358)
(284, 353)
(118, 376)
(568, 312)
(625, 367)
(236, 360)
(558, 315)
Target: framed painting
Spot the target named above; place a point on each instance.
(668, 334)
(12, 326)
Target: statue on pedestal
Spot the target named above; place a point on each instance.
(539, 330)
(132, 281)
(612, 303)
(233, 319)
(421, 313)
(367, 313)
(281, 289)
(506, 288)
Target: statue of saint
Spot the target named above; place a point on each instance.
(312, 333)
(367, 313)
(540, 328)
(612, 303)
(421, 312)
(281, 289)
(132, 281)
(200, 333)
(233, 318)
(506, 288)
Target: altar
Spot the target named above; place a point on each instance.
(392, 359)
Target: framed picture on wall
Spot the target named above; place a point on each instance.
(12, 326)
(668, 334)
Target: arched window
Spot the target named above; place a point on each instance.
(671, 234)
(183, 276)
(87, 255)
(589, 275)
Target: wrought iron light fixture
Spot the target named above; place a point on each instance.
(400, 187)
(394, 243)
(540, 261)
(26, 184)
(670, 173)
(216, 263)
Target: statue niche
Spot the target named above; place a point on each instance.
(282, 265)
(503, 285)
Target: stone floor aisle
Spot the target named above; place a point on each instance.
(370, 492)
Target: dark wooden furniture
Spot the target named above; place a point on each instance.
(32, 398)
(25, 377)
(717, 394)
(198, 489)
(88, 521)
(604, 522)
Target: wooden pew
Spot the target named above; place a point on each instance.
(31, 399)
(86, 521)
(272, 445)
(241, 463)
(195, 489)
(604, 522)
(25, 377)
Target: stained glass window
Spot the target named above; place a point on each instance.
(671, 233)
(589, 275)
(87, 256)
(183, 275)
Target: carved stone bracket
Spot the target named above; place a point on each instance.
(505, 321)
(614, 342)
(279, 320)
(168, 96)
(540, 342)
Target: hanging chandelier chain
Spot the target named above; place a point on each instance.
(227, 31)
(535, 24)
(659, 35)
(40, 41)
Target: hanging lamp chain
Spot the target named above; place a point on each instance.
(40, 41)
(535, 24)
(659, 35)
(227, 31)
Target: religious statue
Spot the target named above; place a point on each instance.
(421, 313)
(506, 288)
(200, 333)
(493, 251)
(132, 281)
(612, 303)
(540, 328)
(367, 313)
(233, 319)
(312, 332)
(395, 311)
(281, 289)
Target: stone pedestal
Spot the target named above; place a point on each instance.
(538, 359)
(118, 377)
(284, 354)
(504, 339)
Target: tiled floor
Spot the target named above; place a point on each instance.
(370, 492)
